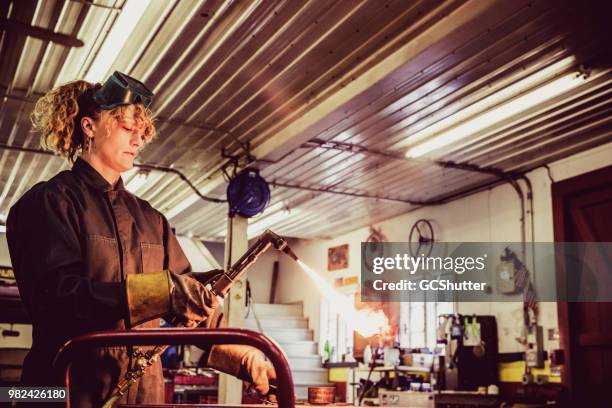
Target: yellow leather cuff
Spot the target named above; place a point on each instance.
(148, 296)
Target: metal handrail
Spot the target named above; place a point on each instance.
(154, 337)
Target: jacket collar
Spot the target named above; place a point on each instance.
(89, 175)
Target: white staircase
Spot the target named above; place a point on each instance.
(287, 325)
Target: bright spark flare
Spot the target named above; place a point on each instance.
(366, 322)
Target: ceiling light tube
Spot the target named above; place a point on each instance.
(521, 96)
(496, 115)
(117, 37)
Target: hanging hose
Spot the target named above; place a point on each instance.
(532, 222)
(250, 306)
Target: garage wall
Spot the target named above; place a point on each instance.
(491, 215)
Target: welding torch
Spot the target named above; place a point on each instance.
(219, 283)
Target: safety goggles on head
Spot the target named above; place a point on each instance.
(121, 89)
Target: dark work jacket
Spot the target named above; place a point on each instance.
(72, 241)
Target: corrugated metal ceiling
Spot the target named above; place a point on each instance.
(362, 79)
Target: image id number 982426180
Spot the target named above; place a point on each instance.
(33, 394)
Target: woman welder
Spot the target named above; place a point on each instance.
(88, 255)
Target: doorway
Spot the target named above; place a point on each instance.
(582, 212)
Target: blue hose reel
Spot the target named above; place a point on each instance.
(247, 194)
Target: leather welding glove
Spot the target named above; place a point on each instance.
(244, 362)
(180, 299)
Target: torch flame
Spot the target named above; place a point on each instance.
(366, 322)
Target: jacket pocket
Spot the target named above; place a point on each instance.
(152, 257)
(102, 258)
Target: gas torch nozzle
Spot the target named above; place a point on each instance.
(280, 244)
(289, 252)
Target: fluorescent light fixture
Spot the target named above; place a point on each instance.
(118, 35)
(137, 181)
(523, 96)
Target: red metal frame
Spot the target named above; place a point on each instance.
(153, 337)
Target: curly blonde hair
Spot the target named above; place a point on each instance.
(57, 116)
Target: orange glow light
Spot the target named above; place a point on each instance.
(366, 322)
